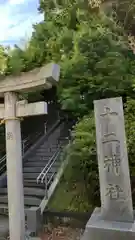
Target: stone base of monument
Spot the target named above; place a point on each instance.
(98, 229)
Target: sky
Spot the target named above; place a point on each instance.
(16, 20)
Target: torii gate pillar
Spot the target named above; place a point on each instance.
(10, 112)
(14, 169)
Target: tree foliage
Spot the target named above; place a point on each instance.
(3, 60)
(124, 11)
(92, 50)
(130, 130)
(83, 159)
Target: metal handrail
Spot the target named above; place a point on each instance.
(28, 140)
(25, 146)
(50, 163)
(3, 158)
(26, 143)
(3, 162)
(55, 158)
(43, 176)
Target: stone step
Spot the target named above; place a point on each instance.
(49, 144)
(45, 154)
(43, 150)
(33, 181)
(28, 191)
(52, 141)
(46, 150)
(37, 192)
(4, 210)
(32, 169)
(47, 147)
(5, 206)
(31, 201)
(33, 184)
(4, 226)
(35, 164)
(30, 175)
(39, 158)
(37, 170)
(28, 201)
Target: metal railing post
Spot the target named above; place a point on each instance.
(45, 127)
(46, 190)
(23, 147)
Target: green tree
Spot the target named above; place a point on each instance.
(99, 66)
(130, 131)
(3, 60)
(15, 61)
(82, 158)
(124, 11)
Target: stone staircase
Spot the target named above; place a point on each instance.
(38, 157)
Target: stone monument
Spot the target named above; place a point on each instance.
(115, 218)
(10, 112)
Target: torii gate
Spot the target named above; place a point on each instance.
(10, 112)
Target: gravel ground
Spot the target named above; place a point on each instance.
(63, 233)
